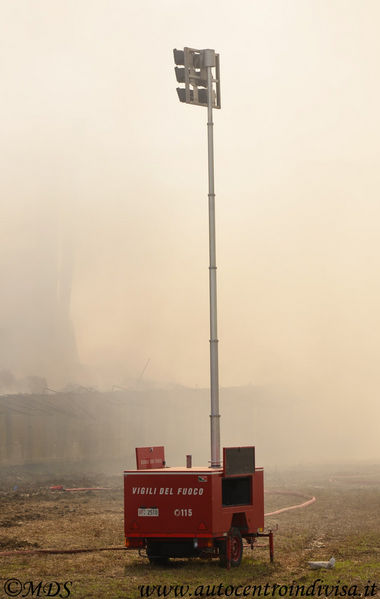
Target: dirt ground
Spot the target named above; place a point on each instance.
(344, 523)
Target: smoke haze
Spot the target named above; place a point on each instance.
(104, 262)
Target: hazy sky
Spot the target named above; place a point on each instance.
(100, 162)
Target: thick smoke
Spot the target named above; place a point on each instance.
(104, 210)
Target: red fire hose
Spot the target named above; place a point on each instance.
(309, 501)
(58, 551)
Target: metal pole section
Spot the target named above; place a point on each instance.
(214, 368)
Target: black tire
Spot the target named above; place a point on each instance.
(223, 554)
(236, 549)
(159, 561)
(155, 555)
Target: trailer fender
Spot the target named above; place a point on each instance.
(239, 521)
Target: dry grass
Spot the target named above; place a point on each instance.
(344, 523)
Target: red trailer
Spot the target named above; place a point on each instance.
(196, 512)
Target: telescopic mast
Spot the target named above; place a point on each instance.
(197, 74)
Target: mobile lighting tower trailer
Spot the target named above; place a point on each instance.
(197, 511)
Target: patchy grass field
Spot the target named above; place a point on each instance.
(344, 523)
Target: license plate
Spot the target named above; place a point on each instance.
(148, 511)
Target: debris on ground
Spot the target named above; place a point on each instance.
(326, 565)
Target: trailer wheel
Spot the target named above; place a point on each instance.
(153, 551)
(236, 547)
(236, 544)
(160, 560)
